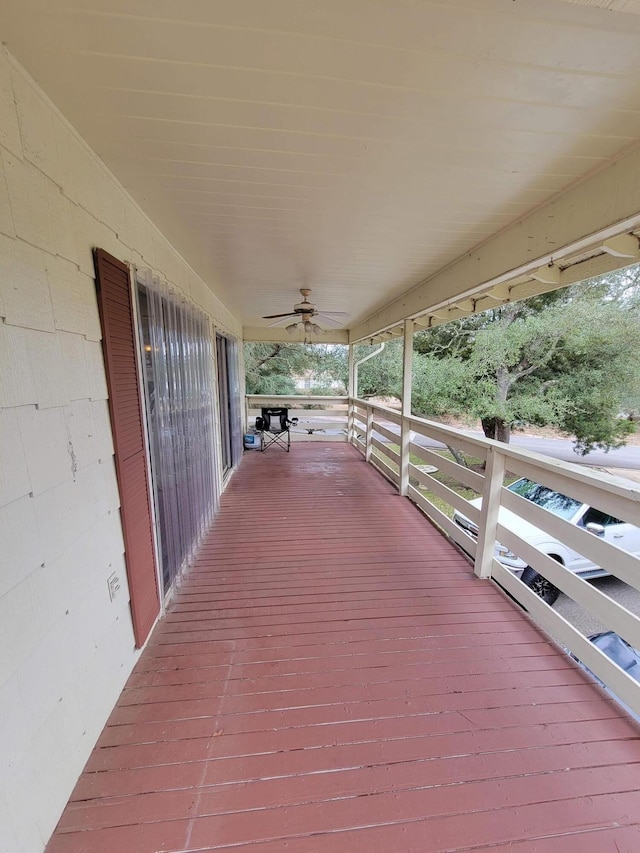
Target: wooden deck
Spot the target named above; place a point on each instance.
(332, 679)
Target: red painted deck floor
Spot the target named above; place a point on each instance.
(332, 678)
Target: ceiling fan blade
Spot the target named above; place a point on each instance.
(330, 321)
(280, 321)
(334, 313)
(273, 316)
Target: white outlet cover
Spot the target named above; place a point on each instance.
(113, 582)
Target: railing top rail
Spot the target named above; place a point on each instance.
(583, 481)
(296, 398)
(376, 407)
(557, 472)
(580, 474)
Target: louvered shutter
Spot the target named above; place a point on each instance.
(118, 343)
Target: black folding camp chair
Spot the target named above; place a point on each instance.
(273, 426)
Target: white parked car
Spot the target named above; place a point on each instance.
(620, 533)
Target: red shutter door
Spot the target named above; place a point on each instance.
(118, 343)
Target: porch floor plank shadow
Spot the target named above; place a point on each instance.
(331, 678)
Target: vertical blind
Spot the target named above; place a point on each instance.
(178, 361)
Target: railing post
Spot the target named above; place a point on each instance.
(353, 390)
(407, 382)
(493, 479)
(368, 447)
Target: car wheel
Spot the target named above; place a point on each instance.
(540, 585)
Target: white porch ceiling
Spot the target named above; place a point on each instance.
(632, 6)
(355, 147)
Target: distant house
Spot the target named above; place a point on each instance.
(307, 383)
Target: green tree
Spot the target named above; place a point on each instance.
(597, 373)
(570, 359)
(272, 368)
(329, 369)
(380, 376)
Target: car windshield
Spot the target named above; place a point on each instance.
(546, 498)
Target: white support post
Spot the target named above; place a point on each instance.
(352, 391)
(493, 479)
(407, 382)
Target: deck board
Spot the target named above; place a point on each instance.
(331, 677)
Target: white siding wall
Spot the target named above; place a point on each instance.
(66, 649)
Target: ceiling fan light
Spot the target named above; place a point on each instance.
(291, 330)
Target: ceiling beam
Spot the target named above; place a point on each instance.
(597, 210)
(260, 334)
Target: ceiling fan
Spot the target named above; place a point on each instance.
(304, 312)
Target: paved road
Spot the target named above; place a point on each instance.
(587, 622)
(623, 457)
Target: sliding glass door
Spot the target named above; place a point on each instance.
(229, 402)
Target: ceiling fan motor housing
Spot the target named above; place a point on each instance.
(305, 307)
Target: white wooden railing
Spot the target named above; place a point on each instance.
(319, 418)
(381, 433)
